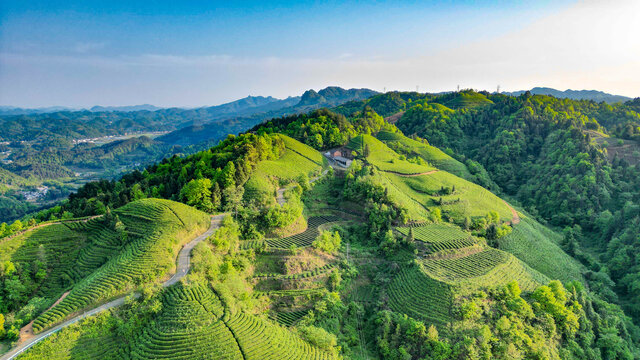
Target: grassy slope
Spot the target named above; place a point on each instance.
(429, 153)
(474, 199)
(385, 159)
(297, 159)
(156, 230)
(468, 100)
(419, 193)
(537, 246)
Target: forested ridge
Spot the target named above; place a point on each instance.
(405, 254)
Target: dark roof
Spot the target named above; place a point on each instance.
(341, 159)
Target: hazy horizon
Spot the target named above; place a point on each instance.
(82, 54)
(277, 98)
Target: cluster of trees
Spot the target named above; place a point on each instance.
(553, 323)
(332, 322)
(19, 281)
(15, 227)
(219, 262)
(361, 187)
(324, 129)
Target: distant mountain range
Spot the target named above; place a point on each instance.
(597, 96)
(12, 110)
(330, 96)
(243, 114)
(144, 107)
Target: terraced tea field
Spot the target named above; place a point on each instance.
(57, 245)
(152, 225)
(474, 265)
(90, 338)
(303, 275)
(192, 323)
(304, 239)
(260, 340)
(438, 237)
(488, 268)
(538, 247)
(288, 318)
(190, 326)
(414, 293)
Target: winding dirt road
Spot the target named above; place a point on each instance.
(182, 268)
(515, 218)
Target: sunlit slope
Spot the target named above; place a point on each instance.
(467, 99)
(537, 246)
(53, 252)
(420, 187)
(296, 160)
(383, 158)
(151, 233)
(430, 154)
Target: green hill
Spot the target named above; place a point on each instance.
(467, 99)
(418, 186)
(296, 160)
(153, 231)
(385, 159)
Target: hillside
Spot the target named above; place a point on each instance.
(406, 253)
(63, 149)
(95, 258)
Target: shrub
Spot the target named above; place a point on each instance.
(435, 215)
(319, 337)
(327, 242)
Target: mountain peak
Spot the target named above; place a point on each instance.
(334, 95)
(311, 97)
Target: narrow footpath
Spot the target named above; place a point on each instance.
(182, 268)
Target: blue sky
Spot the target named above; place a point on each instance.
(195, 53)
